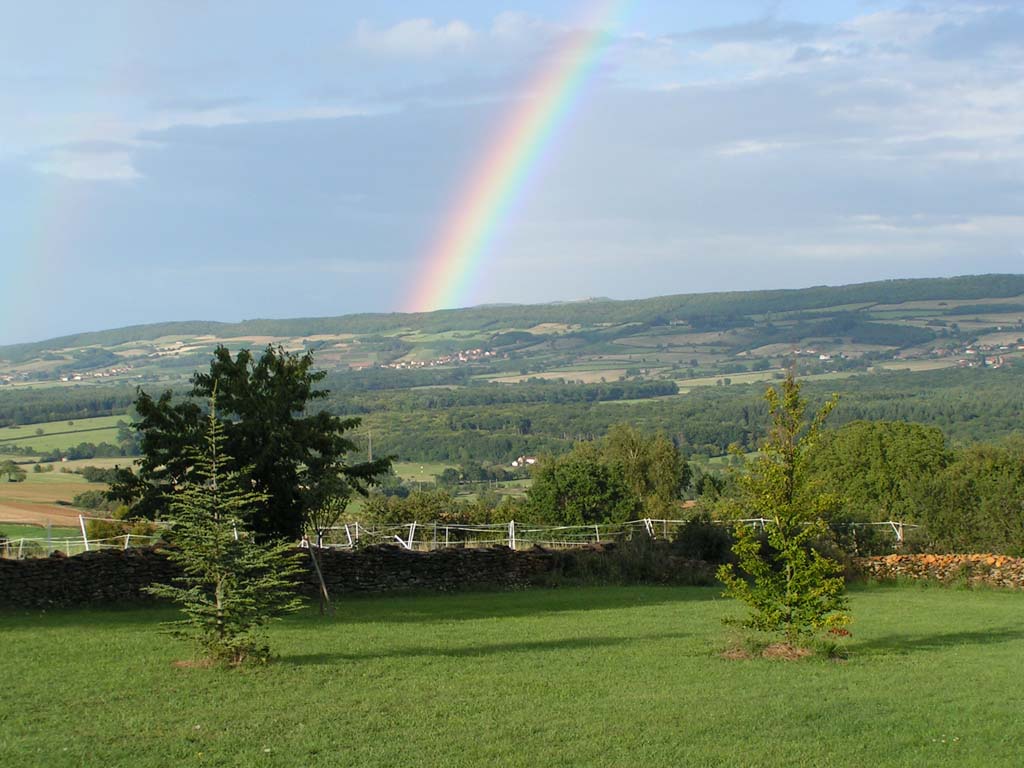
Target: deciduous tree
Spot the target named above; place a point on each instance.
(292, 456)
(12, 472)
(579, 488)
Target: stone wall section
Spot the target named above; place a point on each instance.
(988, 570)
(120, 576)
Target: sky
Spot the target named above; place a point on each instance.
(224, 160)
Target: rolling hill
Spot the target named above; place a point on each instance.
(677, 337)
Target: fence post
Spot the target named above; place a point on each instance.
(348, 535)
(127, 538)
(597, 533)
(325, 598)
(512, 534)
(21, 546)
(85, 536)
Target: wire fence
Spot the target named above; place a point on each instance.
(422, 537)
(439, 535)
(19, 548)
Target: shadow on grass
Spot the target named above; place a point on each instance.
(470, 606)
(471, 651)
(127, 615)
(906, 644)
(394, 608)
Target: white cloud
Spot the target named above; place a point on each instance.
(415, 38)
(89, 166)
(104, 149)
(739, 148)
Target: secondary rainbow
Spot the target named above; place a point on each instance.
(455, 259)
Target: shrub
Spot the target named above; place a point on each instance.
(94, 500)
(701, 538)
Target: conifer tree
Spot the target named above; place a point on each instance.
(232, 584)
(789, 586)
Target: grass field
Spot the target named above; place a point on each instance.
(567, 677)
(61, 435)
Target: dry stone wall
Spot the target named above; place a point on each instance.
(991, 570)
(117, 576)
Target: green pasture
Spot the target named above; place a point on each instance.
(566, 677)
(31, 540)
(919, 365)
(19, 531)
(419, 471)
(884, 315)
(61, 435)
(754, 377)
(592, 376)
(751, 377)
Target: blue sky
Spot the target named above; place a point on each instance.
(184, 159)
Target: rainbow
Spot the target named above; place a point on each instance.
(485, 198)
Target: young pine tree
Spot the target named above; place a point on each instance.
(789, 586)
(232, 586)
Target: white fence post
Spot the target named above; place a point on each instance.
(85, 536)
(412, 533)
(512, 534)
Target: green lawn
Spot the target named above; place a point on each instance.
(567, 677)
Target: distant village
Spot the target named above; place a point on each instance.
(466, 356)
(104, 374)
(973, 356)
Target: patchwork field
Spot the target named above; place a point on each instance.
(568, 677)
